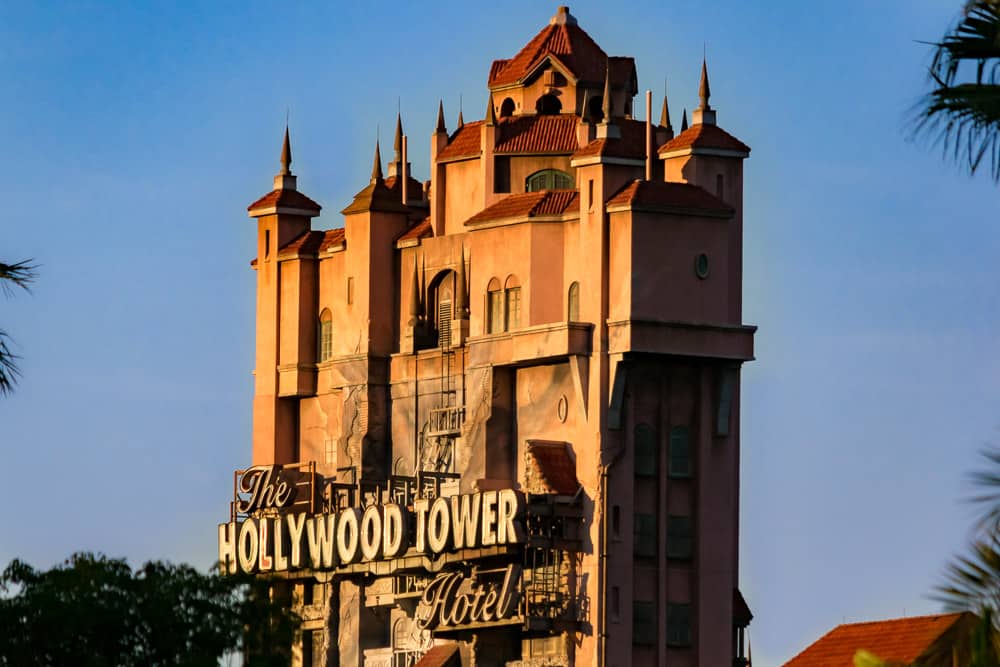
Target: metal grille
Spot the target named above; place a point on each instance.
(444, 324)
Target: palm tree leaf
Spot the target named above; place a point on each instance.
(19, 274)
(9, 372)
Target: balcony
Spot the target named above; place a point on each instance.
(445, 421)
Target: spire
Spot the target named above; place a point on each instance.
(440, 124)
(397, 142)
(377, 165)
(286, 155)
(461, 121)
(414, 294)
(684, 120)
(460, 310)
(606, 102)
(703, 89)
(665, 115)
(491, 116)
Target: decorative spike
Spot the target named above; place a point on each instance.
(704, 91)
(665, 115)
(286, 155)
(423, 287)
(606, 102)
(583, 110)
(461, 121)
(377, 164)
(397, 142)
(491, 116)
(414, 294)
(460, 287)
(684, 120)
(440, 124)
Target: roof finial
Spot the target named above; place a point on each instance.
(460, 309)
(665, 111)
(461, 121)
(286, 155)
(606, 102)
(397, 142)
(562, 17)
(703, 89)
(414, 295)
(684, 120)
(491, 116)
(377, 165)
(440, 124)
(584, 117)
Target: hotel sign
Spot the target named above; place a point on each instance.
(454, 600)
(277, 540)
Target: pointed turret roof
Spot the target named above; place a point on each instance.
(703, 88)
(564, 39)
(491, 116)
(397, 141)
(684, 121)
(665, 114)
(286, 155)
(284, 198)
(440, 122)
(377, 164)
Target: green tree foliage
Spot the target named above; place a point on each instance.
(94, 611)
(962, 111)
(18, 275)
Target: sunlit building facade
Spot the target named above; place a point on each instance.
(496, 413)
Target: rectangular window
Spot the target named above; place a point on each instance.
(267, 243)
(644, 535)
(644, 623)
(494, 312)
(444, 324)
(329, 451)
(501, 174)
(325, 340)
(646, 454)
(680, 537)
(727, 383)
(350, 290)
(678, 625)
(590, 194)
(680, 452)
(616, 522)
(513, 309)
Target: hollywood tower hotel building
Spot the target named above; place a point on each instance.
(496, 413)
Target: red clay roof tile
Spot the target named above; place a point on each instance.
(311, 243)
(704, 136)
(414, 188)
(465, 142)
(537, 134)
(573, 47)
(551, 469)
(529, 205)
(285, 198)
(900, 640)
(445, 655)
(641, 193)
(418, 231)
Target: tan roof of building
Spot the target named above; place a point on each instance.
(285, 198)
(660, 194)
(465, 142)
(704, 136)
(573, 47)
(418, 231)
(896, 641)
(529, 205)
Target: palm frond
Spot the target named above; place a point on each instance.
(972, 582)
(9, 372)
(962, 111)
(19, 274)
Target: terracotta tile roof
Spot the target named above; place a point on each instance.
(550, 469)
(465, 142)
(418, 231)
(537, 134)
(573, 47)
(704, 136)
(311, 243)
(529, 205)
(659, 194)
(287, 199)
(445, 655)
(900, 640)
(376, 197)
(414, 188)
(632, 143)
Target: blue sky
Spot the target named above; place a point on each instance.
(133, 137)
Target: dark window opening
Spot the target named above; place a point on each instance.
(719, 181)
(573, 303)
(646, 454)
(507, 108)
(501, 174)
(644, 535)
(680, 452)
(678, 625)
(643, 623)
(548, 179)
(680, 537)
(548, 105)
(595, 109)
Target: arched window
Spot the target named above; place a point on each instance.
(680, 452)
(573, 303)
(325, 337)
(595, 109)
(548, 105)
(548, 179)
(512, 298)
(442, 290)
(494, 307)
(645, 451)
(507, 108)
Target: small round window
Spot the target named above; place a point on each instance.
(701, 266)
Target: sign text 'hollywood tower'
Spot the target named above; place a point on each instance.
(287, 541)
